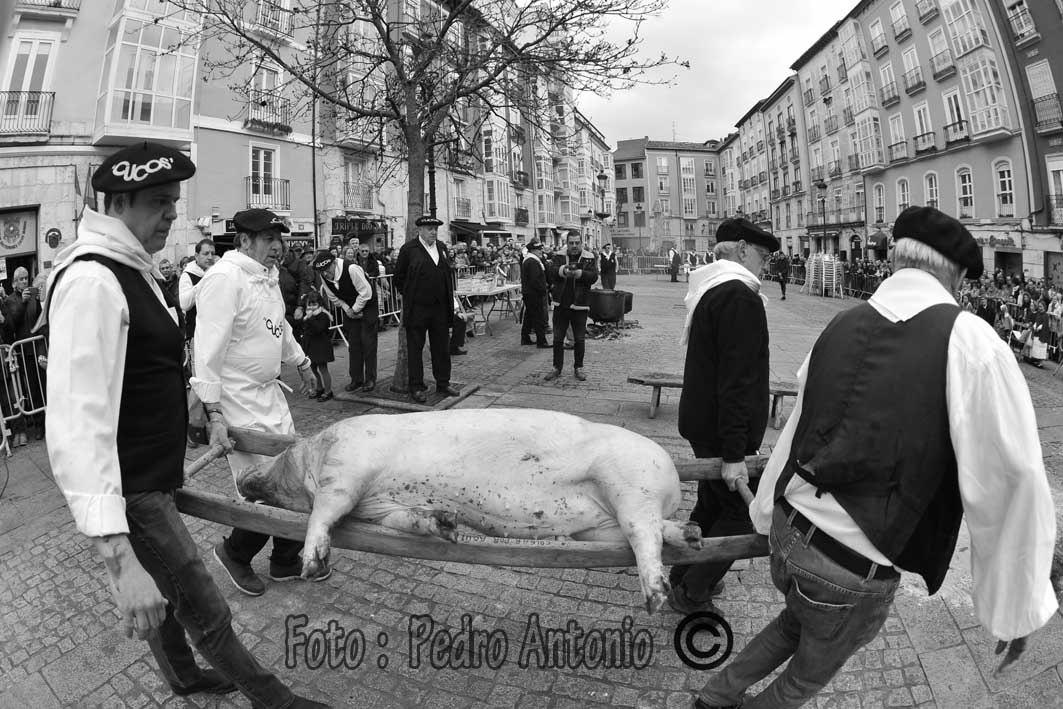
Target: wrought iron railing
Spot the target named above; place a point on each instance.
(26, 112)
(267, 193)
(357, 195)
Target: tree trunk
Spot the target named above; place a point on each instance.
(400, 382)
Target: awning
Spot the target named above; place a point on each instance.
(877, 240)
(467, 228)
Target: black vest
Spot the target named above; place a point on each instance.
(190, 316)
(874, 432)
(153, 411)
(345, 290)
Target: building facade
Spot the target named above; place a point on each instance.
(786, 181)
(667, 195)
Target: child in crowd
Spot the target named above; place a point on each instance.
(317, 343)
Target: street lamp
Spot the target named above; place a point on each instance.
(822, 186)
(638, 211)
(603, 179)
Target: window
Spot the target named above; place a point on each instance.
(662, 185)
(965, 193)
(886, 74)
(621, 220)
(896, 128)
(151, 84)
(930, 189)
(263, 172)
(710, 187)
(710, 208)
(621, 172)
(1004, 189)
(544, 173)
(953, 107)
(689, 184)
(690, 207)
(880, 204)
(663, 206)
(869, 135)
(904, 197)
(710, 168)
(985, 94)
(621, 195)
(30, 71)
(638, 194)
(877, 35)
(686, 166)
(789, 214)
(662, 165)
(922, 119)
(965, 25)
(938, 43)
(636, 171)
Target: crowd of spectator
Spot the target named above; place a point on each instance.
(1027, 313)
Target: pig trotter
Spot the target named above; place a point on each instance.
(692, 535)
(446, 525)
(658, 595)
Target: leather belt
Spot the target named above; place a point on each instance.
(836, 551)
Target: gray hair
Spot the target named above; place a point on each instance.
(911, 253)
(21, 270)
(727, 250)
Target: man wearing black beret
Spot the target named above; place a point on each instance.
(117, 423)
(723, 408)
(423, 276)
(909, 414)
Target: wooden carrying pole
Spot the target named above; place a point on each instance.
(471, 548)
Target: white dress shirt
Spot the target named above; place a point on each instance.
(1003, 485)
(358, 278)
(432, 249)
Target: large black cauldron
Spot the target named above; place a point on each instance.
(608, 305)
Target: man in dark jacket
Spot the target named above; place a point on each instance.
(296, 279)
(424, 277)
(723, 409)
(570, 277)
(673, 264)
(533, 291)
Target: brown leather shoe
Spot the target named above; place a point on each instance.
(552, 375)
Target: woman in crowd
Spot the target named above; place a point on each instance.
(1038, 342)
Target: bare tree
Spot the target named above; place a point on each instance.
(410, 75)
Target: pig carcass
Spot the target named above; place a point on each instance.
(505, 472)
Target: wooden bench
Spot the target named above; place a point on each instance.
(779, 390)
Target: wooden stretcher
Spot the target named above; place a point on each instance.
(472, 548)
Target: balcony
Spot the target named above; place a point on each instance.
(809, 97)
(926, 9)
(521, 178)
(847, 116)
(268, 112)
(520, 216)
(830, 125)
(1005, 210)
(966, 208)
(854, 163)
(925, 142)
(763, 177)
(901, 29)
(813, 134)
(786, 190)
(824, 85)
(834, 168)
(878, 45)
(267, 193)
(843, 75)
(780, 133)
(462, 208)
(970, 41)
(775, 194)
(1047, 111)
(1022, 28)
(57, 4)
(274, 19)
(816, 173)
(1054, 203)
(358, 196)
(957, 132)
(47, 9)
(913, 81)
(898, 151)
(942, 66)
(760, 146)
(791, 126)
(26, 113)
(888, 95)
(795, 158)
(773, 163)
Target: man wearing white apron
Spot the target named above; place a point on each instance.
(242, 339)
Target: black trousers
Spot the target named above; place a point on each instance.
(432, 321)
(609, 281)
(720, 513)
(534, 319)
(563, 317)
(362, 335)
(782, 285)
(242, 546)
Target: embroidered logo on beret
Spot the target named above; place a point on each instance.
(138, 173)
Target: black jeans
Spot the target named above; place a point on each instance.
(782, 285)
(195, 606)
(720, 513)
(609, 281)
(362, 335)
(433, 321)
(563, 317)
(534, 319)
(242, 546)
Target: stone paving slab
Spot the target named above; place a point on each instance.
(60, 646)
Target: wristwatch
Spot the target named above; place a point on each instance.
(304, 365)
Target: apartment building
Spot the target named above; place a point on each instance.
(727, 149)
(667, 194)
(781, 113)
(1031, 34)
(751, 162)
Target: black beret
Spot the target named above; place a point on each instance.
(256, 220)
(428, 221)
(139, 166)
(942, 233)
(323, 259)
(534, 244)
(740, 229)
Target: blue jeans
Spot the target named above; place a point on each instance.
(830, 613)
(195, 606)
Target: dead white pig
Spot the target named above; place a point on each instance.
(505, 472)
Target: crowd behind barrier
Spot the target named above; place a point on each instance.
(22, 386)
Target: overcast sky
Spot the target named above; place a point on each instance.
(739, 52)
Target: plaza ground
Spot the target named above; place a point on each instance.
(60, 644)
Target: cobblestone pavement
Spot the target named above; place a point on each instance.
(59, 643)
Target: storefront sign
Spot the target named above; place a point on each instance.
(303, 242)
(18, 233)
(358, 226)
(994, 241)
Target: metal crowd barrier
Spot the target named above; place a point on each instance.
(22, 386)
